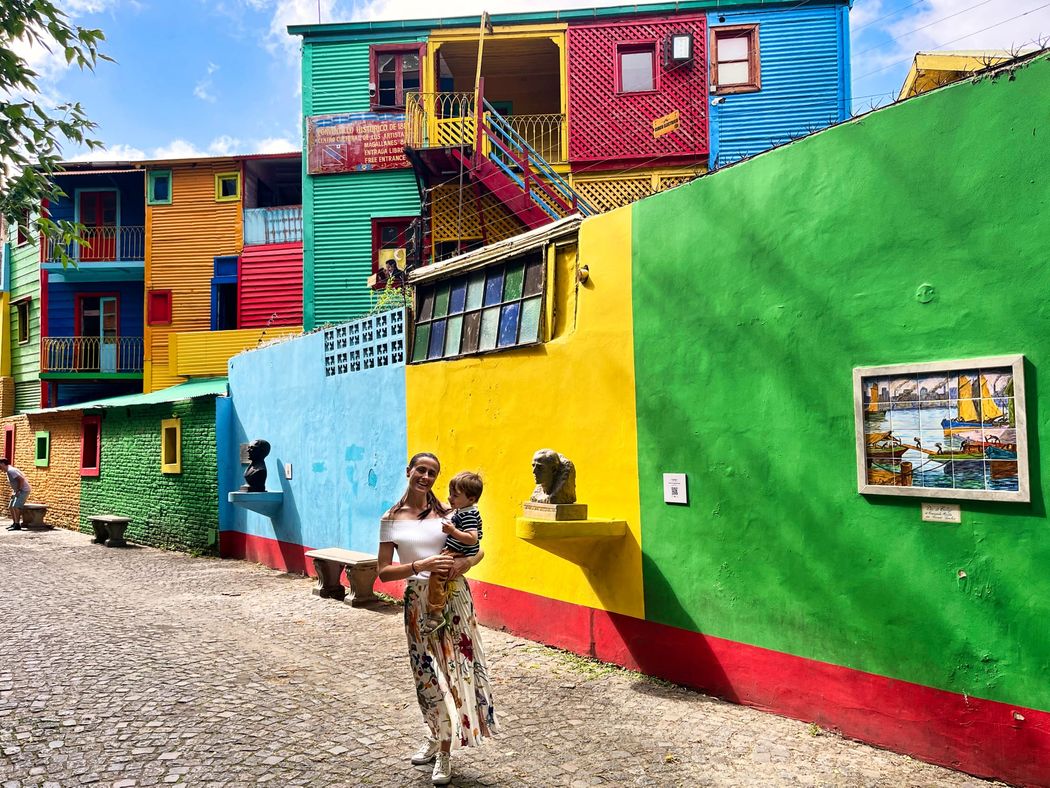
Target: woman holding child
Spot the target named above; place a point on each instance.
(444, 649)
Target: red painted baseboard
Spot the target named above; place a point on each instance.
(982, 737)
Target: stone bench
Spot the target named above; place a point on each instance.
(109, 529)
(33, 514)
(361, 572)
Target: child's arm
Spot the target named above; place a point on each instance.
(461, 536)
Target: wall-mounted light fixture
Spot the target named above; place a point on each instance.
(680, 48)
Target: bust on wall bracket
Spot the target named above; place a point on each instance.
(554, 497)
(255, 476)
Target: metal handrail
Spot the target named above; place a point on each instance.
(101, 245)
(277, 225)
(91, 354)
(533, 161)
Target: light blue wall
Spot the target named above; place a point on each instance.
(804, 57)
(345, 436)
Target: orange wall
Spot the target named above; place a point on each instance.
(58, 485)
(182, 238)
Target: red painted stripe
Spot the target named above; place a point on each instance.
(983, 737)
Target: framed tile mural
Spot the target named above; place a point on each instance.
(948, 429)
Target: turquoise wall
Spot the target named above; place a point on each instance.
(338, 209)
(343, 434)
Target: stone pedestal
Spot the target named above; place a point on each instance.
(109, 530)
(554, 511)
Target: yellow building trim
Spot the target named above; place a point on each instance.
(199, 353)
(5, 335)
(171, 446)
(931, 70)
(574, 394)
(607, 191)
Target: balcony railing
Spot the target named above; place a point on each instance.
(440, 120)
(91, 354)
(102, 245)
(281, 225)
(542, 132)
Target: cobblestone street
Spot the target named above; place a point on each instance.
(140, 667)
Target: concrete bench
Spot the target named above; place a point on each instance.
(109, 529)
(361, 571)
(33, 514)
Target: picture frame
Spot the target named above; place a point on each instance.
(954, 430)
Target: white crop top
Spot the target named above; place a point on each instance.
(413, 540)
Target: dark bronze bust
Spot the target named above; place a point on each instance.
(255, 476)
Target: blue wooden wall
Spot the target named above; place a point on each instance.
(804, 56)
(61, 305)
(130, 185)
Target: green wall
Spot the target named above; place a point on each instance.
(25, 358)
(171, 511)
(752, 306)
(338, 209)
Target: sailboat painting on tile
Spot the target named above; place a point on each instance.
(951, 429)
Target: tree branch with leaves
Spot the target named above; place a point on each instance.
(32, 134)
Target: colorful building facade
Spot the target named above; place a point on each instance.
(428, 138)
(618, 343)
(182, 264)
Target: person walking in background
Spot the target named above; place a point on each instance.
(19, 492)
(448, 666)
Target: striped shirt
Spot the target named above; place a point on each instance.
(468, 519)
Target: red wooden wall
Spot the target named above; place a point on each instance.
(270, 280)
(606, 126)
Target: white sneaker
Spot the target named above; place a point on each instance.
(426, 752)
(442, 769)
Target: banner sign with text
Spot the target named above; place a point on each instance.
(355, 142)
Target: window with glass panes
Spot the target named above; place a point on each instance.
(500, 306)
(735, 63)
(395, 71)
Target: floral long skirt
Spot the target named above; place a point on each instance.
(449, 667)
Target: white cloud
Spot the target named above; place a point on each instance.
(76, 7)
(420, 9)
(203, 89)
(944, 25)
(275, 145)
(224, 145)
(118, 152)
(177, 149)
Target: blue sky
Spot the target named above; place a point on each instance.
(215, 77)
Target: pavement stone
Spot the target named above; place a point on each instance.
(139, 667)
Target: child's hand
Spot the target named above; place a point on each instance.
(447, 527)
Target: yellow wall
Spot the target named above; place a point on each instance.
(181, 240)
(206, 352)
(574, 394)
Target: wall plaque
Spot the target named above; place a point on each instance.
(948, 429)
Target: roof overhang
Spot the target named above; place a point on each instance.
(193, 389)
(493, 253)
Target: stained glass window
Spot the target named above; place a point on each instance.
(492, 309)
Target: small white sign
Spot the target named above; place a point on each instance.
(675, 490)
(288, 470)
(941, 512)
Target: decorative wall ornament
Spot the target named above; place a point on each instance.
(255, 476)
(555, 495)
(951, 429)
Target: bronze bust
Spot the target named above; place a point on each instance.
(555, 478)
(255, 476)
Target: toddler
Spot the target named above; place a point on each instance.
(462, 535)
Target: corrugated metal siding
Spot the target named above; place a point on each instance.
(337, 231)
(804, 81)
(343, 207)
(61, 306)
(207, 352)
(183, 239)
(25, 359)
(335, 75)
(271, 283)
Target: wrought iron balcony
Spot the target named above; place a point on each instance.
(91, 355)
(279, 225)
(446, 120)
(102, 245)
